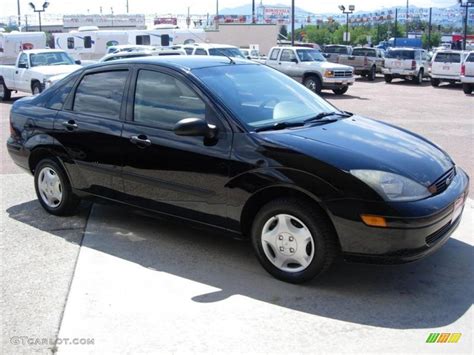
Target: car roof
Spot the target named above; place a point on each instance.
(44, 50)
(212, 45)
(181, 62)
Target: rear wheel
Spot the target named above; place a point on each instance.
(313, 83)
(388, 78)
(53, 188)
(419, 78)
(435, 82)
(36, 88)
(5, 94)
(467, 88)
(372, 73)
(293, 241)
(340, 91)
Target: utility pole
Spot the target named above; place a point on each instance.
(127, 6)
(406, 20)
(39, 11)
(253, 11)
(429, 29)
(395, 32)
(292, 22)
(217, 14)
(467, 4)
(347, 13)
(19, 13)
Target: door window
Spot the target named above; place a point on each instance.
(100, 94)
(23, 61)
(287, 55)
(143, 40)
(165, 40)
(87, 42)
(162, 100)
(200, 51)
(70, 43)
(274, 54)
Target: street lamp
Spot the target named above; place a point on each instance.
(466, 4)
(44, 7)
(347, 13)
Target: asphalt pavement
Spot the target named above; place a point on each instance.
(117, 281)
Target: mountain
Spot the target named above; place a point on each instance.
(247, 9)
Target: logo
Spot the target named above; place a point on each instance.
(443, 337)
(448, 181)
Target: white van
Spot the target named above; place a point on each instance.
(13, 43)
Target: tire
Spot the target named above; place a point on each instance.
(307, 227)
(388, 78)
(467, 88)
(36, 88)
(313, 83)
(5, 94)
(419, 78)
(372, 74)
(435, 82)
(340, 91)
(53, 188)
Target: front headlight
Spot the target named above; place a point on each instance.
(328, 73)
(392, 187)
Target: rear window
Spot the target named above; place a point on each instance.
(448, 58)
(400, 54)
(364, 52)
(337, 50)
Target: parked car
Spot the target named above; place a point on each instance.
(406, 63)
(32, 69)
(212, 49)
(366, 61)
(467, 73)
(242, 147)
(309, 67)
(252, 54)
(130, 48)
(333, 51)
(446, 66)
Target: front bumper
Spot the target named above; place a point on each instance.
(334, 83)
(399, 72)
(415, 229)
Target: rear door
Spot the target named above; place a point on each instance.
(90, 127)
(178, 175)
(469, 65)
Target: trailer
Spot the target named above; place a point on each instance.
(13, 43)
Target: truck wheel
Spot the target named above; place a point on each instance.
(5, 94)
(467, 88)
(419, 78)
(435, 82)
(372, 73)
(293, 241)
(36, 88)
(340, 91)
(313, 83)
(388, 78)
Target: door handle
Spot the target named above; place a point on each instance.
(141, 141)
(70, 125)
(16, 72)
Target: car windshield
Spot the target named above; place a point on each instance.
(51, 58)
(310, 55)
(400, 54)
(228, 52)
(260, 96)
(364, 52)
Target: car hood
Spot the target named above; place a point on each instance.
(362, 143)
(327, 65)
(50, 70)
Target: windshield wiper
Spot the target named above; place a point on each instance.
(279, 125)
(322, 115)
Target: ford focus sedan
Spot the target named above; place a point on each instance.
(241, 147)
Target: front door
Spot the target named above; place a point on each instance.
(183, 176)
(90, 130)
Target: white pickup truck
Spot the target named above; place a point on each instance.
(32, 69)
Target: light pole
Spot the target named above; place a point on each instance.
(406, 19)
(44, 7)
(347, 13)
(466, 4)
(292, 22)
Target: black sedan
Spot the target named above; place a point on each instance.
(239, 146)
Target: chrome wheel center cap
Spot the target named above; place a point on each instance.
(286, 244)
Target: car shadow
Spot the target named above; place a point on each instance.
(403, 82)
(378, 79)
(12, 100)
(431, 293)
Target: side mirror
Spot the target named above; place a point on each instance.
(22, 65)
(78, 62)
(196, 127)
(294, 60)
(249, 57)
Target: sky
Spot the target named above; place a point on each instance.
(9, 7)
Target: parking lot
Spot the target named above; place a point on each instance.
(129, 283)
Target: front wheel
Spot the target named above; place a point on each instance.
(372, 73)
(388, 78)
(340, 91)
(5, 94)
(435, 82)
(293, 241)
(53, 189)
(419, 78)
(314, 84)
(36, 89)
(467, 88)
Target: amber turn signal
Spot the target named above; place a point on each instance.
(373, 221)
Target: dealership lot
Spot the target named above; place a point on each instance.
(135, 284)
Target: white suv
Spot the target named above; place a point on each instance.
(467, 73)
(405, 63)
(446, 66)
(212, 49)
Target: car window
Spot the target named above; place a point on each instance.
(101, 94)
(364, 52)
(287, 55)
(470, 59)
(162, 100)
(70, 43)
(229, 52)
(165, 40)
(143, 39)
(400, 54)
(337, 50)
(23, 60)
(56, 102)
(448, 58)
(200, 51)
(274, 54)
(188, 50)
(87, 42)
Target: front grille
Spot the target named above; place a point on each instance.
(433, 238)
(343, 74)
(443, 182)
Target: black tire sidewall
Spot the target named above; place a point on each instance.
(372, 74)
(6, 92)
(38, 85)
(319, 262)
(317, 82)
